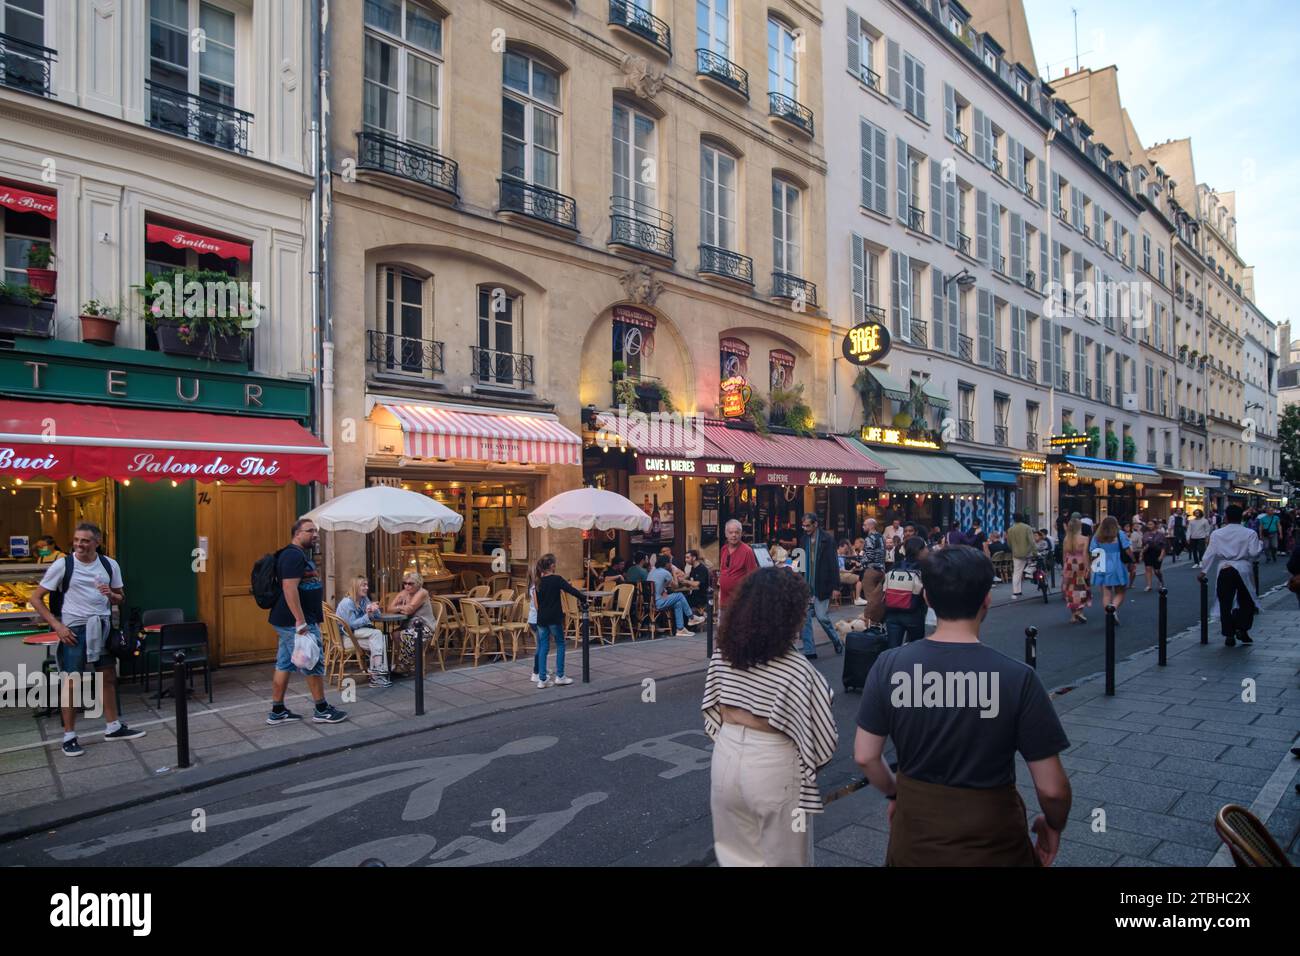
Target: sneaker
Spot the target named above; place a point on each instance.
(696, 620)
(562, 682)
(380, 682)
(285, 716)
(684, 633)
(330, 715)
(72, 749)
(534, 677)
(1244, 637)
(1015, 596)
(859, 602)
(124, 733)
(543, 684)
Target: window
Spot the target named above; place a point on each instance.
(1150, 402)
(403, 325)
(713, 26)
(733, 358)
(786, 227)
(966, 407)
(497, 310)
(170, 64)
(991, 60)
(24, 20)
(874, 161)
(634, 158)
(955, 25)
(403, 71)
(782, 65)
(1146, 252)
(866, 276)
(913, 86)
(717, 198)
(1022, 87)
(21, 231)
(530, 121)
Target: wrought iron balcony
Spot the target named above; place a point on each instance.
(1085, 386)
(715, 67)
(207, 121)
(393, 354)
(1002, 264)
(1031, 370)
(1031, 441)
(1169, 459)
(538, 202)
(916, 219)
(964, 346)
(966, 429)
(626, 14)
(797, 290)
(999, 360)
(1151, 457)
(871, 78)
(963, 140)
(963, 243)
(796, 114)
(1000, 436)
(501, 369)
(387, 154)
(1063, 380)
(1107, 395)
(920, 334)
(1028, 189)
(638, 226)
(725, 263)
(875, 312)
(25, 66)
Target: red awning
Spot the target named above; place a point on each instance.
(676, 448)
(431, 431)
(180, 239)
(796, 460)
(58, 440)
(23, 200)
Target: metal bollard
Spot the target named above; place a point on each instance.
(1164, 627)
(708, 624)
(1205, 611)
(586, 642)
(1031, 647)
(1110, 650)
(182, 711)
(419, 667)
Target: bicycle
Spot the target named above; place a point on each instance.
(1039, 576)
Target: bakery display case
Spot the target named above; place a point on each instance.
(17, 582)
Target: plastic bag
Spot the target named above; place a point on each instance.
(306, 652)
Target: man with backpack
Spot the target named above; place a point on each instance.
(904, 606)
(83, 587)
(1269, 525)
(822, 572)
(296, 613)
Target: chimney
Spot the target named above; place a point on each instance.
(1067, 71)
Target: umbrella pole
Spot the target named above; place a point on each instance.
(586, 620)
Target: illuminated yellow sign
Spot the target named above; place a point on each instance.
(1033, 466)
(735, 396)
(880, 435)
(1067, 441)
(866, 342)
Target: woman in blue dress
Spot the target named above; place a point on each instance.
(1113, 578)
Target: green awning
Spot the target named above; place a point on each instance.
(920, 472)
(891, 386)
(933, 396)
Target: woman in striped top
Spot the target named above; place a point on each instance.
(768, 711)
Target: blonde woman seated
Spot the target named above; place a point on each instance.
(413, 602)
(356, 609)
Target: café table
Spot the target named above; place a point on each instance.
(392, 625)
(494, 609)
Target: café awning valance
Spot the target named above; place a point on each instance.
(204, 245)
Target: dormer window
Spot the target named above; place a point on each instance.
(1022, 87)
(991, 60)
(955, 25)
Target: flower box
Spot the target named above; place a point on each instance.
(204, 344)
(20, 317)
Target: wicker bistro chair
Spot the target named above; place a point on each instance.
(514, 626)
(479, 592)
(1003, 566)
(573, 618)
(497, 582)
(470, 580)
(505, 594)
(650, 618)
(433, 642)
(341, 650)
(1248, 840)
(479, 629)
(451, 625)
(620, 614)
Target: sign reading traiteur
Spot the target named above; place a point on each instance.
(866, 343)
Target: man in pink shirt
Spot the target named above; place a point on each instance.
(735, 562)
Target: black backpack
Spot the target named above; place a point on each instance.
(56, 597)
(117, 642)
(267, 585)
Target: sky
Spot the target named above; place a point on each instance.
(1223, 74)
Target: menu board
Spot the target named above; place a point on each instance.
(710, 498)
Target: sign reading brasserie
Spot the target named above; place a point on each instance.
(1033, 466)
(1067, 441)
(866, 343)
(897, 437)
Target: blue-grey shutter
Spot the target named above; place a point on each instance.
(894, 295)
(985, 313)
(1048, 350)
(881, 177)
(1056, 194)
(904, 181)
(1013, 167)
(950, 211)
(1115, 229)
(977, 128)
(918, 81)
(954, 320)
(1042, 260)
(859, 280)
(893, 71)
(982, 226)
(950, 112)
(936, 200)
(1098, 233)
(1017, 342)
(867, 162)
(1017, 247)
(1076, 206)
(937, 307)
(1132, 251)
(1042, 181)
(855, 38)
(995, 236)
(1059, 353)
(988, 141)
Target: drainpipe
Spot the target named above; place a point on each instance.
(1051, 386)
(322, 324)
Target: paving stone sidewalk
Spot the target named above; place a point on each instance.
(1161, 757)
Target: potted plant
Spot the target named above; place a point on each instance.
(1112, 445)
(789, 410)
(1130, 448)
(204, 323)
(24, 311)
(619, 369)
(39, 275)
(99, 323)
(625, 393)
(1094, 441)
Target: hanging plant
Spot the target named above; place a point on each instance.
(625, 392)
(1112, 445)
(789, 410)
(1130, 448)
(1094, 441)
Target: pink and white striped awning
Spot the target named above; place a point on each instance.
(431, 431)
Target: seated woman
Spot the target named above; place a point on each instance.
(355, 609)
(412, 602)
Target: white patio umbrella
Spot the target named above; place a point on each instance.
(589, 508)
(382, 506)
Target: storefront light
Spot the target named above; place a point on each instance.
(174, 483)
(126, 482)
(18, 482)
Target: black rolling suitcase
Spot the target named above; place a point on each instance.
(861, 648)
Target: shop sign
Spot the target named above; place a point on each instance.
(1033, 466)
(818, 479)
(896, 437)
(646, 465)
(866, 343)
(78, 372)
(720, 467)
(1123, 476)
(735, 396)
(1067, 441)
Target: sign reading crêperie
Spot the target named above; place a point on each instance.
(866, 343)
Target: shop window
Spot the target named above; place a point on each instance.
(21, 231)
(201, 256)
(633, 340)
(495, 516)
(403, 71)
(734, 359)
(500, 335)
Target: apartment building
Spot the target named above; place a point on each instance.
(139, 141)
(982, 221)
(1260, 377)
(543, 211)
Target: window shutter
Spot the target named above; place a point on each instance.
(855, 38)
(1017, 248)
(893, 71)
(954, 320)
(919, 81)
(1098, 235)
(1056, 194)
(937, 307)
(1042, 181)
(988, 141)
(982, 226)
(867, 161)
(978, 128)
(905, 297)
(936, 200)
(985, 307)
(894, 292)
(1058, 351)
(1056, 262)
(1104, 308)
(904, 181)
(1013, 174)
(1076, 205)
(909, 85)
(1017, 341)
(1132, 250)
(859, 280)
(1042, 260)
(881, 178)
(1115, 229)
(950, 211)
(950, 112)
(995, 236)
(1049, 366)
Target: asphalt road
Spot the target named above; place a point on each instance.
(609, 780)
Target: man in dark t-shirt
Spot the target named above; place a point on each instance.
(298, 613)
(958, 713)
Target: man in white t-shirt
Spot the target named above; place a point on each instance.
(83, 623)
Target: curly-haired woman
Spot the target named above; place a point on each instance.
(768, 711)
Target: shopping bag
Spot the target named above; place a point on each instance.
(306, 652)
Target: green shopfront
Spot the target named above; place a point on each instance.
(193, 469)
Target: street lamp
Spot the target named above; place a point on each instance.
(964, 279)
